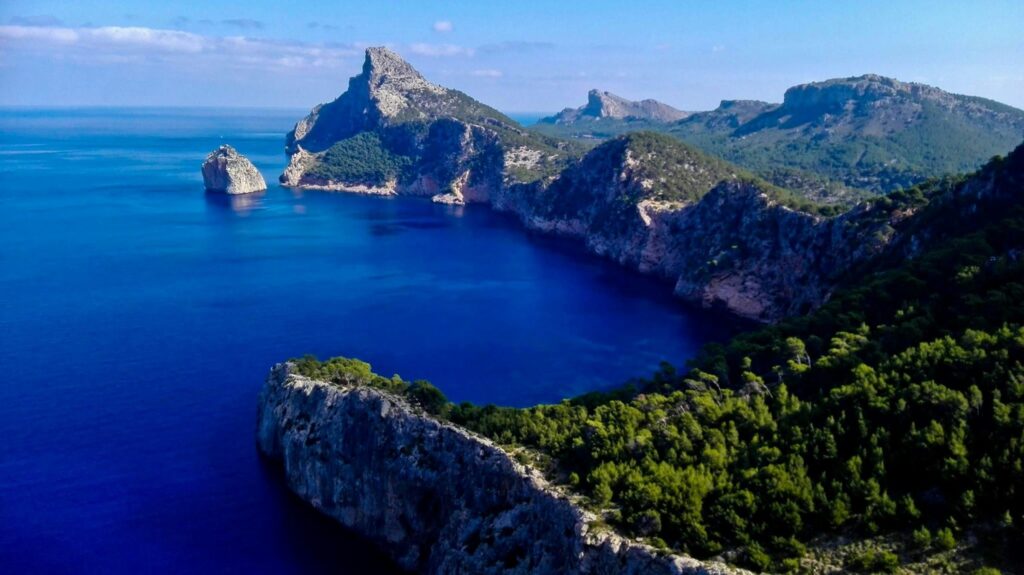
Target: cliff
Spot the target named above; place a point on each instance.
(434, 496)
(723, 238)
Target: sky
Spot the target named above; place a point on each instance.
(518, 56)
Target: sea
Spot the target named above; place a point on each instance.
(139, 316)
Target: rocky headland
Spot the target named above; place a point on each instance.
(723, 238)
(440, 499)
(226, 171)
(436, 497)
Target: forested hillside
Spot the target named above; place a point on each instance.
(894, 413)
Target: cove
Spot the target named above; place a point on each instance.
(139, 316)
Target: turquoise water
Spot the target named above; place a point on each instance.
(139, 315)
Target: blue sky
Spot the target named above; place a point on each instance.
(520, 56)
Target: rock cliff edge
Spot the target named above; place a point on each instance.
(435, 497)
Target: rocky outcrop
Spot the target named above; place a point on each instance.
(435, 497)
(227, 171)
(646, 201)
(450, 147)
(603, 104)
(723, 241)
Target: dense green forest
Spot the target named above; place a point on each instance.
(898, 407)
(361, 159)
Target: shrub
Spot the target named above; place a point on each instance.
(874, 561)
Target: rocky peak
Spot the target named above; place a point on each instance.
(604, 104)
(390, 82)
(837, 94)
(383, 62)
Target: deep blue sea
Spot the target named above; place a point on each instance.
(139, 315)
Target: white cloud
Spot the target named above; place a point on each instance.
(166, 40)
(487, 73)
(443, 26)
(38, 34)
(107, 44)
(439, 50)
(717, 48)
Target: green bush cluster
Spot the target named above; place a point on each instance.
(361, 159)
(351, 372)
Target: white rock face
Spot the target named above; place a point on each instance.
(438, 499)
(227, 171)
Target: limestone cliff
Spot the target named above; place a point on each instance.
(227, 171)
(435, 497)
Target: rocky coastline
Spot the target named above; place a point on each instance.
(436, 497)
(728, 244)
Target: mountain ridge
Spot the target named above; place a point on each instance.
(723, 236)
(865, 132)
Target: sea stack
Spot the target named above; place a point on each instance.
(227, 171)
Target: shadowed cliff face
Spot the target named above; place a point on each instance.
(433, 496)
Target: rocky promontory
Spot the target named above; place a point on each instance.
(604, 104)
(436, 497)
(227, 171)
(394, 132)
(722, 237)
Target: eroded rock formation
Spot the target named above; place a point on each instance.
(227, 171)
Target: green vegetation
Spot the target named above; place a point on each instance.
(361, 159)
(346, 371)
(833, 156)
(874, 561)
(896, 408)
(665, 170)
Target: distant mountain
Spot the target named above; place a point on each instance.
(605, 105)
(867, 132)
(394, 132)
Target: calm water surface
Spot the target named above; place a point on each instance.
(138, 317)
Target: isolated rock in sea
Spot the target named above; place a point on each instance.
(227, 171)
(434, 496)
